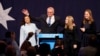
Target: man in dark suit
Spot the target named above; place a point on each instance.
(49, 23)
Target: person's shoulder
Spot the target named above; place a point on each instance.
(22, 26)
(57, 17)
(93, 22)
(33, 24)
(84, 48)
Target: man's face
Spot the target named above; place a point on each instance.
(50, 12)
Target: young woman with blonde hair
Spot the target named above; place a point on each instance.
(70, 35)
(88, 26)
(69, 22)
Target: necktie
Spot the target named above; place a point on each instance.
(49, 21)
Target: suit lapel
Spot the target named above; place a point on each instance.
(45, 18)
(55, 20)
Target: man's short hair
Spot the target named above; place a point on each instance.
(50, 8)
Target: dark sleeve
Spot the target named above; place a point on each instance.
(35, 18)
(82, 25)
(76, 34)
(92, 29)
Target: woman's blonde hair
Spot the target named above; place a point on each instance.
(69, 25)
(90, 18)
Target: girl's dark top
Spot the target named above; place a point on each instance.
(89, 28)
(70, 35)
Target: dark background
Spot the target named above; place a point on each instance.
(37, 7)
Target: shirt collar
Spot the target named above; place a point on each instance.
(52, 16)
(27, 24)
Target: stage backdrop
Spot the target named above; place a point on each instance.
(11, 16)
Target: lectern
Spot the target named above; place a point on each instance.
(48, 38)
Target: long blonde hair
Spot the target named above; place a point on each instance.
(69, 25)
(90, 18)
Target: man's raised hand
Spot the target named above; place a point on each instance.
(25, 12)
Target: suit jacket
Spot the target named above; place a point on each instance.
(45, 28)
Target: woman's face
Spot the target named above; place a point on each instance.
(27, 19)
(86, 15)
